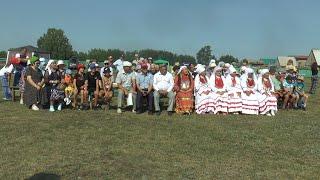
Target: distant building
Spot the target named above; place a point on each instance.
(301, 61)
(314, 56)
(283, 60)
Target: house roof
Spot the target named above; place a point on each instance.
(316, 53)
(301, 58)
(29, 48)
(283, 60)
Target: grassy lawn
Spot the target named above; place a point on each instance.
(105, 145)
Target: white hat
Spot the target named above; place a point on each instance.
(105, 61)
(212, 61)
(141, 59)
(127, 64)
(150, 58)
(60, 62)
(227, 65)
(42, 59)
(243, 68)
(264, 71)
(200, 69)
(232, 69)
(17, 55)
(213, 64)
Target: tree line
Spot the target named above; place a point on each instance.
(57, 43)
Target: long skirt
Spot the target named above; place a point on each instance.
(22, 81)
(56, 94)
(204, 103)
(267, 103)
(250, 104)
(221, 102)
(184, 102)
(235, 103)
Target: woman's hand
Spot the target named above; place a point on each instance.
(38, 87)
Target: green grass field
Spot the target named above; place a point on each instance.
(105, 145)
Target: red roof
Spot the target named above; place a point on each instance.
(301, 58)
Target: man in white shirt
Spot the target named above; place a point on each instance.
(163, 84)
(119, 63)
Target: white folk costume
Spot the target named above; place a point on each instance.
(267, 101)
(203, 94)
(234, 92)
(250, 103)
(218, 86)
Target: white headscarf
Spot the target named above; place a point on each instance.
(200, 69)
(181, 68)
(232, 69)
(48, 66)
(217, 69)
(264, 71)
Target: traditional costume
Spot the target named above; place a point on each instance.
(249, 95)
(184, 87)
(234, 91)
(219, 88)
(203, 94)
(267, 101)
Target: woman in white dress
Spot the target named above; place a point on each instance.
(203, 93)
(267, 99)
(250, 94)
(234, 91)
(219, 87)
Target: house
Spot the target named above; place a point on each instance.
(314, 56)
(270, 61)
(283, 60)
(301, 61)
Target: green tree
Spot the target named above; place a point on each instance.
(57, 43)
(228, 59)
(204, 55)
(185, 59)
(98, 54)
(3, 54)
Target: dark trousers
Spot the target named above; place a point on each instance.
(140, 99)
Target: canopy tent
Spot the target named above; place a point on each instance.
(161, 61)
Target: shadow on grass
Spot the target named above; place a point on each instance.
(44, 176)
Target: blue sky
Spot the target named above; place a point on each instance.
(245, 28)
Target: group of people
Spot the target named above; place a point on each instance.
(203, 89)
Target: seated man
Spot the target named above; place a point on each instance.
(144, 83)
(301, 97)
(125, 80)
(163, 84)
